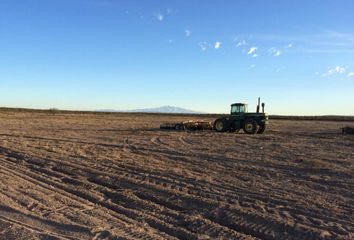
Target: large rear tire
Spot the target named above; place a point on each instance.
(261, 129)
(250, 126)
(221, 125)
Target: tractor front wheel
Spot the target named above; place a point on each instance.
(250, 126)
(221, 125)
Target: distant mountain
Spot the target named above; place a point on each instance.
(163, 109)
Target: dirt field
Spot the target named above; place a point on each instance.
(116, 176)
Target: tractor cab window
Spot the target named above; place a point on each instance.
(236, 109)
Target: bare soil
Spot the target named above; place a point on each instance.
(117, 176)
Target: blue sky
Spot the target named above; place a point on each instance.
(202, 55)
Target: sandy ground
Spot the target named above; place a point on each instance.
(100, 176)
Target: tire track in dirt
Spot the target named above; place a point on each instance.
(318, 215)
(157, 141)
(44, 226)
(185, 141)
(87, 199)
(114, 207)
(77, 194)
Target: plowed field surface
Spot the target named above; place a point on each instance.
(117, 176)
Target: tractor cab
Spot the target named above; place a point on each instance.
(238, 108)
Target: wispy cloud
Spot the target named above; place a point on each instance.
(241, 43)
(159, 17)
(319, 42)
(187, 32)
(274, 52)
(204, 46)
(171, 11)
(351, 74)
(327, 50)
(252, 50)
(333, 71)
(290, 45)
(279, 69)
(341, 35)
(217, 45)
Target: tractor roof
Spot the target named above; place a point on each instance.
(238, 104)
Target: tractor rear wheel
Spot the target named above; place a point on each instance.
(261, 128)
(221, 125)
(250, 126)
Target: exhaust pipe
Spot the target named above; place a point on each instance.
(259, 103)
(263, 107)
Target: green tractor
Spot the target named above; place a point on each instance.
(239, 118)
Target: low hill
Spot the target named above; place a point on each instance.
(163, 109)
